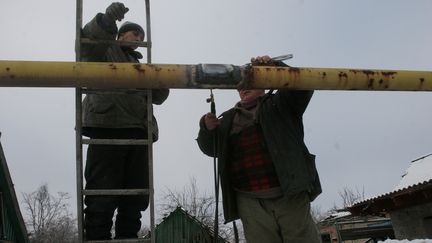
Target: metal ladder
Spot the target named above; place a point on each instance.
(79, 92)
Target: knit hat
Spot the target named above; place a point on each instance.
(127, 26)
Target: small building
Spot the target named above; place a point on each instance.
(12, 227)
(409, 204)
(342, 226)
(181, 227)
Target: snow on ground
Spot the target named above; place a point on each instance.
(407, 241)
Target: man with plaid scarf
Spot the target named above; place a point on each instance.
(268, 177)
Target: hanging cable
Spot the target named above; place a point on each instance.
(215, 170)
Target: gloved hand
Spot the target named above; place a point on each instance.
(262, 61)
(115, 11)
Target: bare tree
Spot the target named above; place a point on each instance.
(317, 214)
(350, 197)
(201, 206)
(48, 219)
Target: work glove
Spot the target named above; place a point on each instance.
(262, 61)
(115, 11)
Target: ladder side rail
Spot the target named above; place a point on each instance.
(148, 29)
(78, 127)
(150, 127)
(150, 164)
(79, 163)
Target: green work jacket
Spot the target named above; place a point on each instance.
(115, 110)
(280, 117)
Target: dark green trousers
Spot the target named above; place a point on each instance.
(281, 220)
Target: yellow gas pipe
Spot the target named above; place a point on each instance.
(205, 76)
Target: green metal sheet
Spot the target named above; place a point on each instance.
(12, 223)
(180, 227)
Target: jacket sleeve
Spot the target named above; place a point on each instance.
(296, 100)
(159, 95)
(206, 139)
(96, 29)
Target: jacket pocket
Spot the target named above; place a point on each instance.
(315, 184)
(101, 108)
(311, 166)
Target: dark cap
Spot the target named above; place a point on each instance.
(128, 26)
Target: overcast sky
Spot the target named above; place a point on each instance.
(363, 140)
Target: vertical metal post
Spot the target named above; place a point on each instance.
(148, 29)
(150, 127)
(78, 144)
(339, 238)
(79, 163)
(150, 163)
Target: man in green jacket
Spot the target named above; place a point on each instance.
(116, 115)
(268, 177)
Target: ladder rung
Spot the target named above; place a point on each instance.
(116, 192)
(111, 91)
(119, 241)
(115, 42)
(116, 141)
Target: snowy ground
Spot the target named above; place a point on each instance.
(406, 241)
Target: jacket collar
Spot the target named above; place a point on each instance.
(132, 52)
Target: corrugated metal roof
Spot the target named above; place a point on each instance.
(179, 226)
(419, 171)
(408, 189)
(417, 176)
(415, 188)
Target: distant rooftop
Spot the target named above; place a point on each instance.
(419, 171)
(413, 189)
